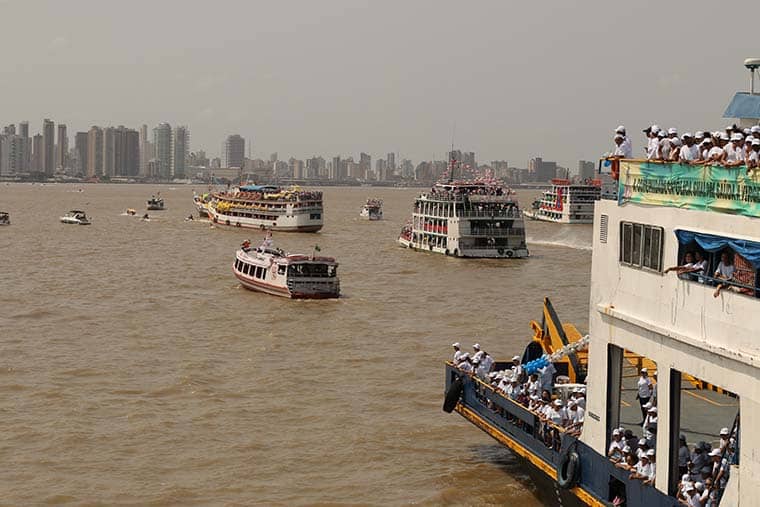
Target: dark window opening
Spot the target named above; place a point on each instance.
(641, 246)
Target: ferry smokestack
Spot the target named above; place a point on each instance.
(752, 64)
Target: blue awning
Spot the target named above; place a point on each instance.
(743, 105)
(750, 250)
(258, 188)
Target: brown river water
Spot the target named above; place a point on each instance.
(134, 370)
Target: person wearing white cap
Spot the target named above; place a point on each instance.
(622, 150)
(643, 469)
(478, 352)
(653, 467)
(547, 376)
(717, 154)
(691, 496)
(689, 152)
(719, 468)
(665, 145)
(704, 150)
(644, 387)
(464, 363)
(675, 149)
(653, 144)
(517, 370)
(615, 450)
(754, 154)
(734, 151)
(457, 352)
(626, 140)
(575, 415)
(724, 438)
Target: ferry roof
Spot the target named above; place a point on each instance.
(259, 188)
(743, 105)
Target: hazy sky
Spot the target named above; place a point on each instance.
(328, 77)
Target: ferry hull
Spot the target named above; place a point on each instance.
(250, 223)
(282, 291)
(480, 253)
(534, 215)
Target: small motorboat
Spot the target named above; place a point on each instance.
(156, 204)
(77, 217)
(131, 211)
(5, 218)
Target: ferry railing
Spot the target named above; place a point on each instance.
(749, 290)
(494, 232)
(502, 214)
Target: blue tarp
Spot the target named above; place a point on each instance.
(743, 105)
(258, 188)
(750, 250)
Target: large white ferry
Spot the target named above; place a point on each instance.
(567, 202)
(271, 270)
(467, 219)
(266, 207)
(672, 352)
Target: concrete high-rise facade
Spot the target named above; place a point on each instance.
(11, 154)
(234, 151)
(162, 146)
(146, 150)
(62, 147)
(126, 149)
(80, 147)
(586, 170)
(391, 162)
(109, 152)
(95, 152)
(23, 131)
(48, 147)
(365, 165)
(37, 149)
(181, 149)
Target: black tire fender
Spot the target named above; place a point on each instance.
(452, 395)
(510, 253)
(567, 470)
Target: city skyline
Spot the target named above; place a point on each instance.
(334, 76)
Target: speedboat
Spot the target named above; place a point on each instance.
(156, 204)
(5, 218)
(77, 217)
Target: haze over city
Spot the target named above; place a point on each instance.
(509, 81)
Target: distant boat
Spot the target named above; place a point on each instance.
(372, 209)
(156, 204)
(77, 217)
(5, 218)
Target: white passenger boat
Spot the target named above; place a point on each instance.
(372, 209)
(267, 207)
(5, 218)
(201, 203)
(567, 203)
(467, 219)
(273, 271)
(77, 217)
(156, 204)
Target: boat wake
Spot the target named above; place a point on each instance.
(576, 244)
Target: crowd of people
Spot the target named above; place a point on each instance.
(732, 147)
(535, 392)
(732, 272)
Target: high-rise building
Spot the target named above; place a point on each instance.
(234, 151)
(586, 170)
(62, 148)
(37, 156)
(48, 147)
(365, 166)
(335, 169)
(95, 152)
(11, 154)
(180, 151)
(541, 170)
(27, 145)
(146, 150)
(162, 145)
(381, 170)
(126, 147)
(80, 148)
(391, 162)
(109, 152)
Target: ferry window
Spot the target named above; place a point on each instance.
(315, 216)
(708, 417)
(247, 269)
(258, 272)
(263, 273)
(281, 270)
(641, 245)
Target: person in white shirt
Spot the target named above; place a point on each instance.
(653, 144)
(642, 448)
(643, 469)
(754, 154)
(704, 150)
(644, 386)
(675, 150)
(580, 398)
(457, 352)
(717, 154)
(517, 368)
(652, 467)
(724, 271)
(734, 151)
(689, 152)
(478, 353)
(691, 496)
(688, 264)
(576, 415)
(724, 438)
(626, 140)
(534, 386)
(547, 377)
(651, 418)
(464, 363)
(486, 361)
(615, 451)
(621, 149)
(664, 142)
(755, 130)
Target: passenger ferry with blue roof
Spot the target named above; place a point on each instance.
(270, 207)
(692, 329)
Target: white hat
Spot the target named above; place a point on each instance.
(724, 431)
(642, 441)
(685, 478)
(730, 127)
(724, 137)
(626, 449)
(675, 141)
(618, 136)
(699, 134)
(535, 397)
(714, 452)
(476, 346)
(706, 140)
(464, 356)
(652, 409)
(615, 432)
(620, 129)
(672, 130)
(558, 403)
(687, 134)
(455, 344)
(644, 370)
(654, 129)
(661, 133)
(689, 487)
(644, 456)
(737, 137)
(650, 452)
(516, 358)
(755, 128)
(571, 403)
(699, 486)
(755, 141)
(747, 132)
(648, 404)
